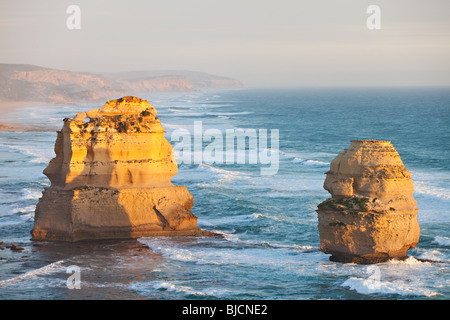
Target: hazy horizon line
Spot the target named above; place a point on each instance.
(246, 86)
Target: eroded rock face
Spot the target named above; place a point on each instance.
(111, 178)
(372, 215)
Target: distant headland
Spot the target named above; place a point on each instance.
(24, 83)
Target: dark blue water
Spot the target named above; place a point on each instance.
(270, 243)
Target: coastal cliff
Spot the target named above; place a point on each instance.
(30, 83)
(111, 178)
(372, 215)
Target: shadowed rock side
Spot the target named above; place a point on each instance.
(111, 177)
(372, 215)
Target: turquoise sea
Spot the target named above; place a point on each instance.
(269, 244)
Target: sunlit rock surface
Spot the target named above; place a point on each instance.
(372, 215)
(111, 178)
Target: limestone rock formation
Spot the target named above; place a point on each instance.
(111, 178)
(372, 215)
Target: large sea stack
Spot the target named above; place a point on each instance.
(111, 178)
(372, 215)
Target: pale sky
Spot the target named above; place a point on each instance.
(260, 42)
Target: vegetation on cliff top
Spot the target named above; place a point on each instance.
(341, 204)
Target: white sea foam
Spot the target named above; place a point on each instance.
(278, 217)
(38, 154)
(31, 194)
(27, 217)
(27, 209)
(433, 255)
(176, 286)
(223, 174)
(308, 159)
(411, 261)
(314, 163)
(235, 238)
(304, 159)
(17, 215)
(442, 241)
(237, 252)
(432, 190)
(409, 277)
(404, 288)
(55, 267)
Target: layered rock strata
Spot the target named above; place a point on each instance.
(372, 215)
(111, 178)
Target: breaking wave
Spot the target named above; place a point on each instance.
(442, 241)
(176, 286)
(399, 287)
(38, 156)
(55, 267)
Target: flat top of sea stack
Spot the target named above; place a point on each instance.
(122, 106)
(369, 141)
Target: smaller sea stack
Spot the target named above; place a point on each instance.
(372, 215)
(111, 179)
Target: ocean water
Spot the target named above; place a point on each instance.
(269, 243)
